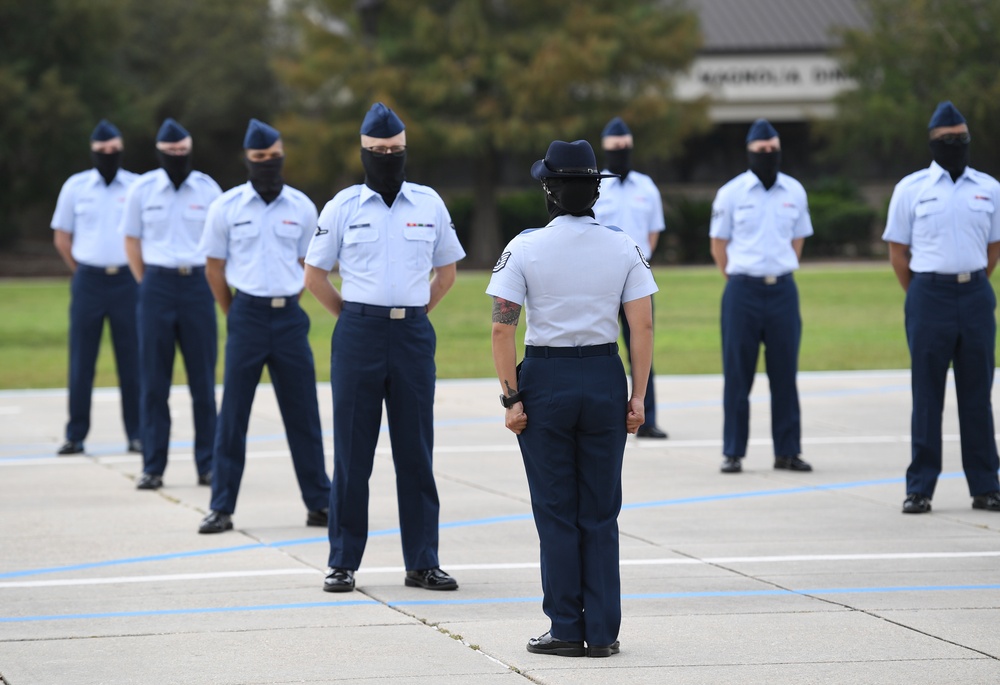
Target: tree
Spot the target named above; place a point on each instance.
(65, 64)
(485, 78)
(914, 54)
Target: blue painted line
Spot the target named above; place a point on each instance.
(454, 524)
(183, 612)
(498, 600)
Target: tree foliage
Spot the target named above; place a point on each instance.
(485, 78)
(914, 54)
(65, 64)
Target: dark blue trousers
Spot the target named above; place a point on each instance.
(952, 323)
(754, 312)
(572, 450)
(649, 402)
(176, 311)
(373, 360)
(96, 296)
(258, 334)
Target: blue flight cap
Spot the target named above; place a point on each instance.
(260, 136)
(381, 122)
(946, 114)
(568, 160)
(615, 127)
(105, 130)
(171, 132)
(761, 130)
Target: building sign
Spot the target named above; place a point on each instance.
(785, 86)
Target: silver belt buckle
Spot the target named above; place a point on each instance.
(397, 313)
(277, 302)
(111, 270)
(184, 270)
(964, 278)
(770, 280)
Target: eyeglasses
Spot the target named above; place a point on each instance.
(954, 138)
(382, 150)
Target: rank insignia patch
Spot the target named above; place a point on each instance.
(641, 256)
(502, 262)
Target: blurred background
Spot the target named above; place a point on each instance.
(485, 85)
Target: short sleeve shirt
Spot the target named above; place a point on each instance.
(760, 224)
(91, 210)
(572, 277)
(946, 224)
(385, 254)
(260, 242)
(169, 222)
(633, 205)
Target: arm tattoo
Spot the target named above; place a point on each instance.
(505, 311)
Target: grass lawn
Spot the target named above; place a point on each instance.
(852, 319)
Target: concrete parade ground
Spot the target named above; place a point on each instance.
(761, 577)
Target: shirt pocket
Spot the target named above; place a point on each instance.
(194, 216)
(786, 217)
(927, 216)
(154, 220)
(420, 245)
(244, 230)
(981, 214)
(84, 214)
(744, 216)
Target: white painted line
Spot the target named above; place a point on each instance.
(675, 561)
(9, 411)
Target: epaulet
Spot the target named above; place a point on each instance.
(529, 230)
(613, 228)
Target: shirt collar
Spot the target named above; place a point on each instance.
(98, 180)
(367, 193)
(165, 183)
(937, 171)
(752, 180)
(570, 219)
(248, 194)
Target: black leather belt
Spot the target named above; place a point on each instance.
(766, 280)
(105, 270)
(272, 302)
(966, 277)
(384, 312)
(175, 271)
(605, 350)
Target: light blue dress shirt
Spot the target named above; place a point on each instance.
(946, 224)
(633, 205)
(385, 254)
(91, 211)
(760, 224)
(169, 222)
(572, 277)
(260, 242)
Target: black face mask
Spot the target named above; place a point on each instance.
(265, 177)
(571, 196)
(952, 157)
(177, 166)
(384, 173)
(107, 164)
(619, 161)
(765, 166)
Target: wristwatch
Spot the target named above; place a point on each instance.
(509, 401)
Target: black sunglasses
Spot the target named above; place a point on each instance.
(954, 138)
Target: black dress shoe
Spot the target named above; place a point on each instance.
(338, 580)
(70, 447)
(320, 517)
(149, 481)
(613, 648)
(546, 644)
(731, 465)
(216, 522)
(990, 501)
(915, 503)
(650, 432)
(792, 463)
(430, 579)
(205, 478)
(135, 446)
